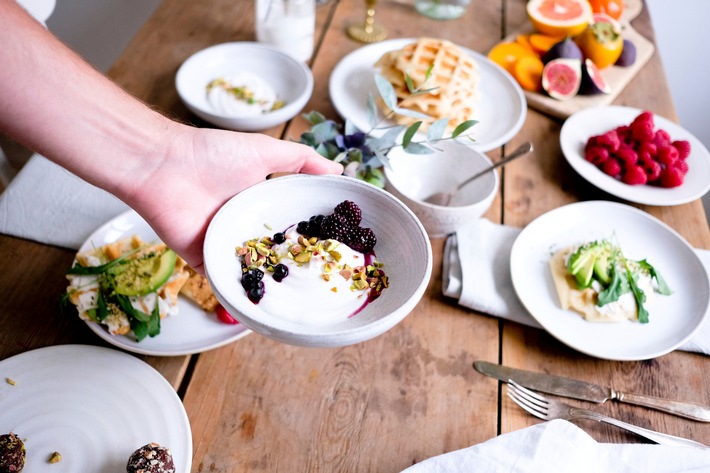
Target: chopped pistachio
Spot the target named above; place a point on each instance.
(10, 381)
(55, 457)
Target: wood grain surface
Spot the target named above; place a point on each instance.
(382, 405)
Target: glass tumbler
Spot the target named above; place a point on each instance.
(442, 9)
(288, 25)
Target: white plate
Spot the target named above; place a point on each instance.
(597, 120)
(93, 405)
(673, 319)
(192, 330)
(501, 108)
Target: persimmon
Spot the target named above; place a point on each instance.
(528, 72)
(506, 54)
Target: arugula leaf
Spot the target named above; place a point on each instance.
(640, 297)
(154, 323)
(125, 304)
(614, 291)
(85, 270)
(102, 309)
(663, 287)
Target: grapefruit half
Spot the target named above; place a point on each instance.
(559, 17)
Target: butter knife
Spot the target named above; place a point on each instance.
(585, 391)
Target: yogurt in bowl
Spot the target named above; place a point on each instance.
(302, 311)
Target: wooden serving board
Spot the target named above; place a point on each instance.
(617, 77)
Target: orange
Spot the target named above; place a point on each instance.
(559, 17)
(528, 72)
(613, 8)
(602, 43)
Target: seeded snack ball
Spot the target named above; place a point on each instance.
(12, 454)
(151, 458)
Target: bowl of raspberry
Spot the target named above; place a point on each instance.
(318, 261)
(636, 155)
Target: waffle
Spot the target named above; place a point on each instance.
(454, 77)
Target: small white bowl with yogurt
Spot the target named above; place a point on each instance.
(309, 308)
(244, 86)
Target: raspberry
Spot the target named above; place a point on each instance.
(661, 138)
(645, 116)
(592, 141)
(335, 226)
(642, 130)
(647, 147)
(667, 155)
(671, 177)
(361, 239)
(611, 167)
(634, 175)
(683, 148)
(609, 140)
(350, 211)
(624, 134)
(682, 166)
(627, 155)
(652, 168)
(596, 155)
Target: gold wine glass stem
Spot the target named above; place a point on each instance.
(370, 16)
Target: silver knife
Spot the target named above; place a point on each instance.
(590, 392)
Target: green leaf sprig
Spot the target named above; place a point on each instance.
(362, 154)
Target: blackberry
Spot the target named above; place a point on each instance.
(279, 238)
(334, 226)
(280, 272)
(351, 212)
(361, 239)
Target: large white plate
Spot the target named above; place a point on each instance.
(597, 120)
(501, 108)
(192, 330)
(673, 319)
(93, 405)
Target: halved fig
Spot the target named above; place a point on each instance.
(592, 81)
(561, 78)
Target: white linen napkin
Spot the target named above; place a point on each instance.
(485, 247)
(560, 446)
(48, 204)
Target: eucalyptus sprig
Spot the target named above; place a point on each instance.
(363, 154)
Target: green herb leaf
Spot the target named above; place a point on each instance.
(437, 129)
(125, 304)
(314, 118)
(154, 323)
(640, 297)
(417, 148)
(663, 287)
(410, 83)
(463, 127)
(371, 111)
(102, 309)
(86, 270)
(427, 74)
(325, 131)
(386, 91)
(424, 91)
(614, 291)
(409, 134)
(411, 113)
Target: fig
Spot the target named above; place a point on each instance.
(565, 49)
(628, 54)
(592, 81)
(561, 78)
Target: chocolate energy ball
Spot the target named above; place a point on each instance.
(12, 453)
(151, 458)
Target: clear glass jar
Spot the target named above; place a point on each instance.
(287, 24)
(442, 9)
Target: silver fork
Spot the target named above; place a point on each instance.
(548, 409)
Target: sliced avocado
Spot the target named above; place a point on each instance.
(602, 269)
(144, 275)
(581, 266)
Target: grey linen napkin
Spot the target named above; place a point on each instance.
(48, 204)
(484, 283)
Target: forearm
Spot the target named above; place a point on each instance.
(56, 104)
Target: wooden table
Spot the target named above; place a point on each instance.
(382, 405)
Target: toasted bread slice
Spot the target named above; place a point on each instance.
(198, 289)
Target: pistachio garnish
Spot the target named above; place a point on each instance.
(55, 457)
(10, 381)
(303, 257)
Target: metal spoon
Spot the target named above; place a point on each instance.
(444, 198)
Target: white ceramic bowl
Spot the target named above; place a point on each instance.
(414, 177)
(402, 246)
(291, 80)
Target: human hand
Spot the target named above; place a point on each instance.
(204, 168)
